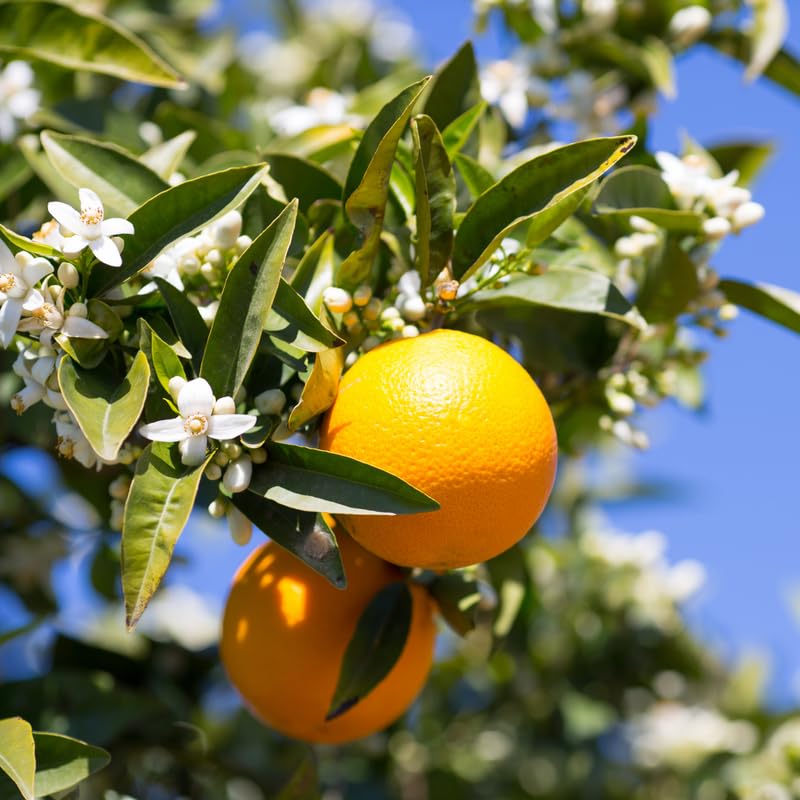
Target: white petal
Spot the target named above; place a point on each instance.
(32, 300)
(65, 215)
(81, 328)
(17, 74)
(73, 244)
(35, 270)
(165, 430)
(669, 162)
(196, 397)
(23, 104)
(10, 313)
(8, 126)
(7, 261)
(514, 105)
(89, 199)
(193, 450)
(116, 226)
(228, 426)
(106, 251)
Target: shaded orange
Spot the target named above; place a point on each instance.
(283, 641)
(457, 417)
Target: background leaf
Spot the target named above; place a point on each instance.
(17, 758)
(454, 88)
(771, 302)
(63, 762)
(669, 284)
(165, 157)
(305, 180)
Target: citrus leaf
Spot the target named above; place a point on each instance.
(30, 147)
(166, 363)
(457, 133)
(670, 282)
(641, 191)
(63, 762)
(771, 302)
(436, 199)
(306, 181)
(90, 352)
(303, 533)
(174, 213)
(188, 323)
(657, 58)
(568, 288)
(14, 173)
(477, 178)
(17, 758)
(511, 581)
(538, 192)
(160, 500)
(244, 306)
(375, 647)
(18, 242)
(320, 389)
(457, 596)
(315, 480)
(454, 87)
(61, 34)
(292, 321)
(164, 158)
(304, 783)
(316, 266)
(770, 26)
(748, 158)
(366, 188)
(120, 180)
(104, 411)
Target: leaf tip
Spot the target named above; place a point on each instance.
(337, 709)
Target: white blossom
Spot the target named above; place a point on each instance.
(18, 99)
(89, 228)
(602, 13)
(509, 85)
(48, 319)
(71, 443)
(199, 420)
(689, 24)
(322, 107)
(18, 278)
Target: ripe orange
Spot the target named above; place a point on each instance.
(457, 417)
(284, 635)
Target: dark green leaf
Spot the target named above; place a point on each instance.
(377, 644)
(538, 192)
(316, 480)
(477, 178)
(63, 762)
(317, 261)
(436, 200)
(177, 212)
(457, 133)
(14, 173)
(159, 503)
(772, 302)
(457, 596)
(749, 158)
(17, 757)
(106, 412)
(454, 88)
(292, 321)
(244, 306)
(669, 284)
(303, 533)
(122, 182)
(190, 326)
(302, 179)
(79, 40)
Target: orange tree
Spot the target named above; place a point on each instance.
(290, 277)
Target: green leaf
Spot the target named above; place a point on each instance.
(14, 173)
(568, 288)
(106, 412)
(166, 363)
(30, 147)
(436, 199)
(511, 581)
(749, 158)
(159, 503)
(670, 282)
(770, 26)
(63, 762)
(165, 158)
(657, 57)
(320, 389)
(366, 188)
(18, 242)
(244, 305)
(317, 262)
(189, 325)
(641, 191)
(538, 193)
(304, 783)
(17, 757)
(302, 179)
(304, 534)
(315, 480)
(771, 302)
(80, 40)
(120, 180)
(477, 178)
(457, 133)
(454, 88)
(90, 352)
(457, 596)
(377, 644)
(292, 321)
(177, 212)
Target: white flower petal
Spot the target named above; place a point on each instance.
(35, 270)
(165, 430)
(514, 105)
(23, 104)
(229, 426)
(89, 199)
(81, 328)
(7, 261)
(193, 450)
(73, 244)
(10, 313)
(65, 215)
(196, 397)
(32, 300)
(106, 251)
(116, 226)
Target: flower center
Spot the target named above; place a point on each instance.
(91, 216)
(7, 281)
(49, 315)
(65, 447)
(196, 424)
(46, 231)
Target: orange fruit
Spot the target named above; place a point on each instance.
(457, 417)
(285, 632)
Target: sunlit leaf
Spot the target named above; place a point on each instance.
(320, 389)
(165, 158)
(17, 758)
(454, 88)
(63, 762)
(771, 302)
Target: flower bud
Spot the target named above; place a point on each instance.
(78, 310)
(270, 402)
(227, 230)
(716, 227)
(337, 300)
(747, 214)
(217, 507)
(414, 308)
(240, 527)
(362, 295)
(232, 450)
(225, 405)
(119, 243)
(68, 275)
(728, 312)
(221, 459)
(409, 331)
(447, 291)
(175, 385)
(258, 456)
(119, 487)
(689, 24)
(213, 472)
(242, 243)
(372, 310)
(237, 476)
